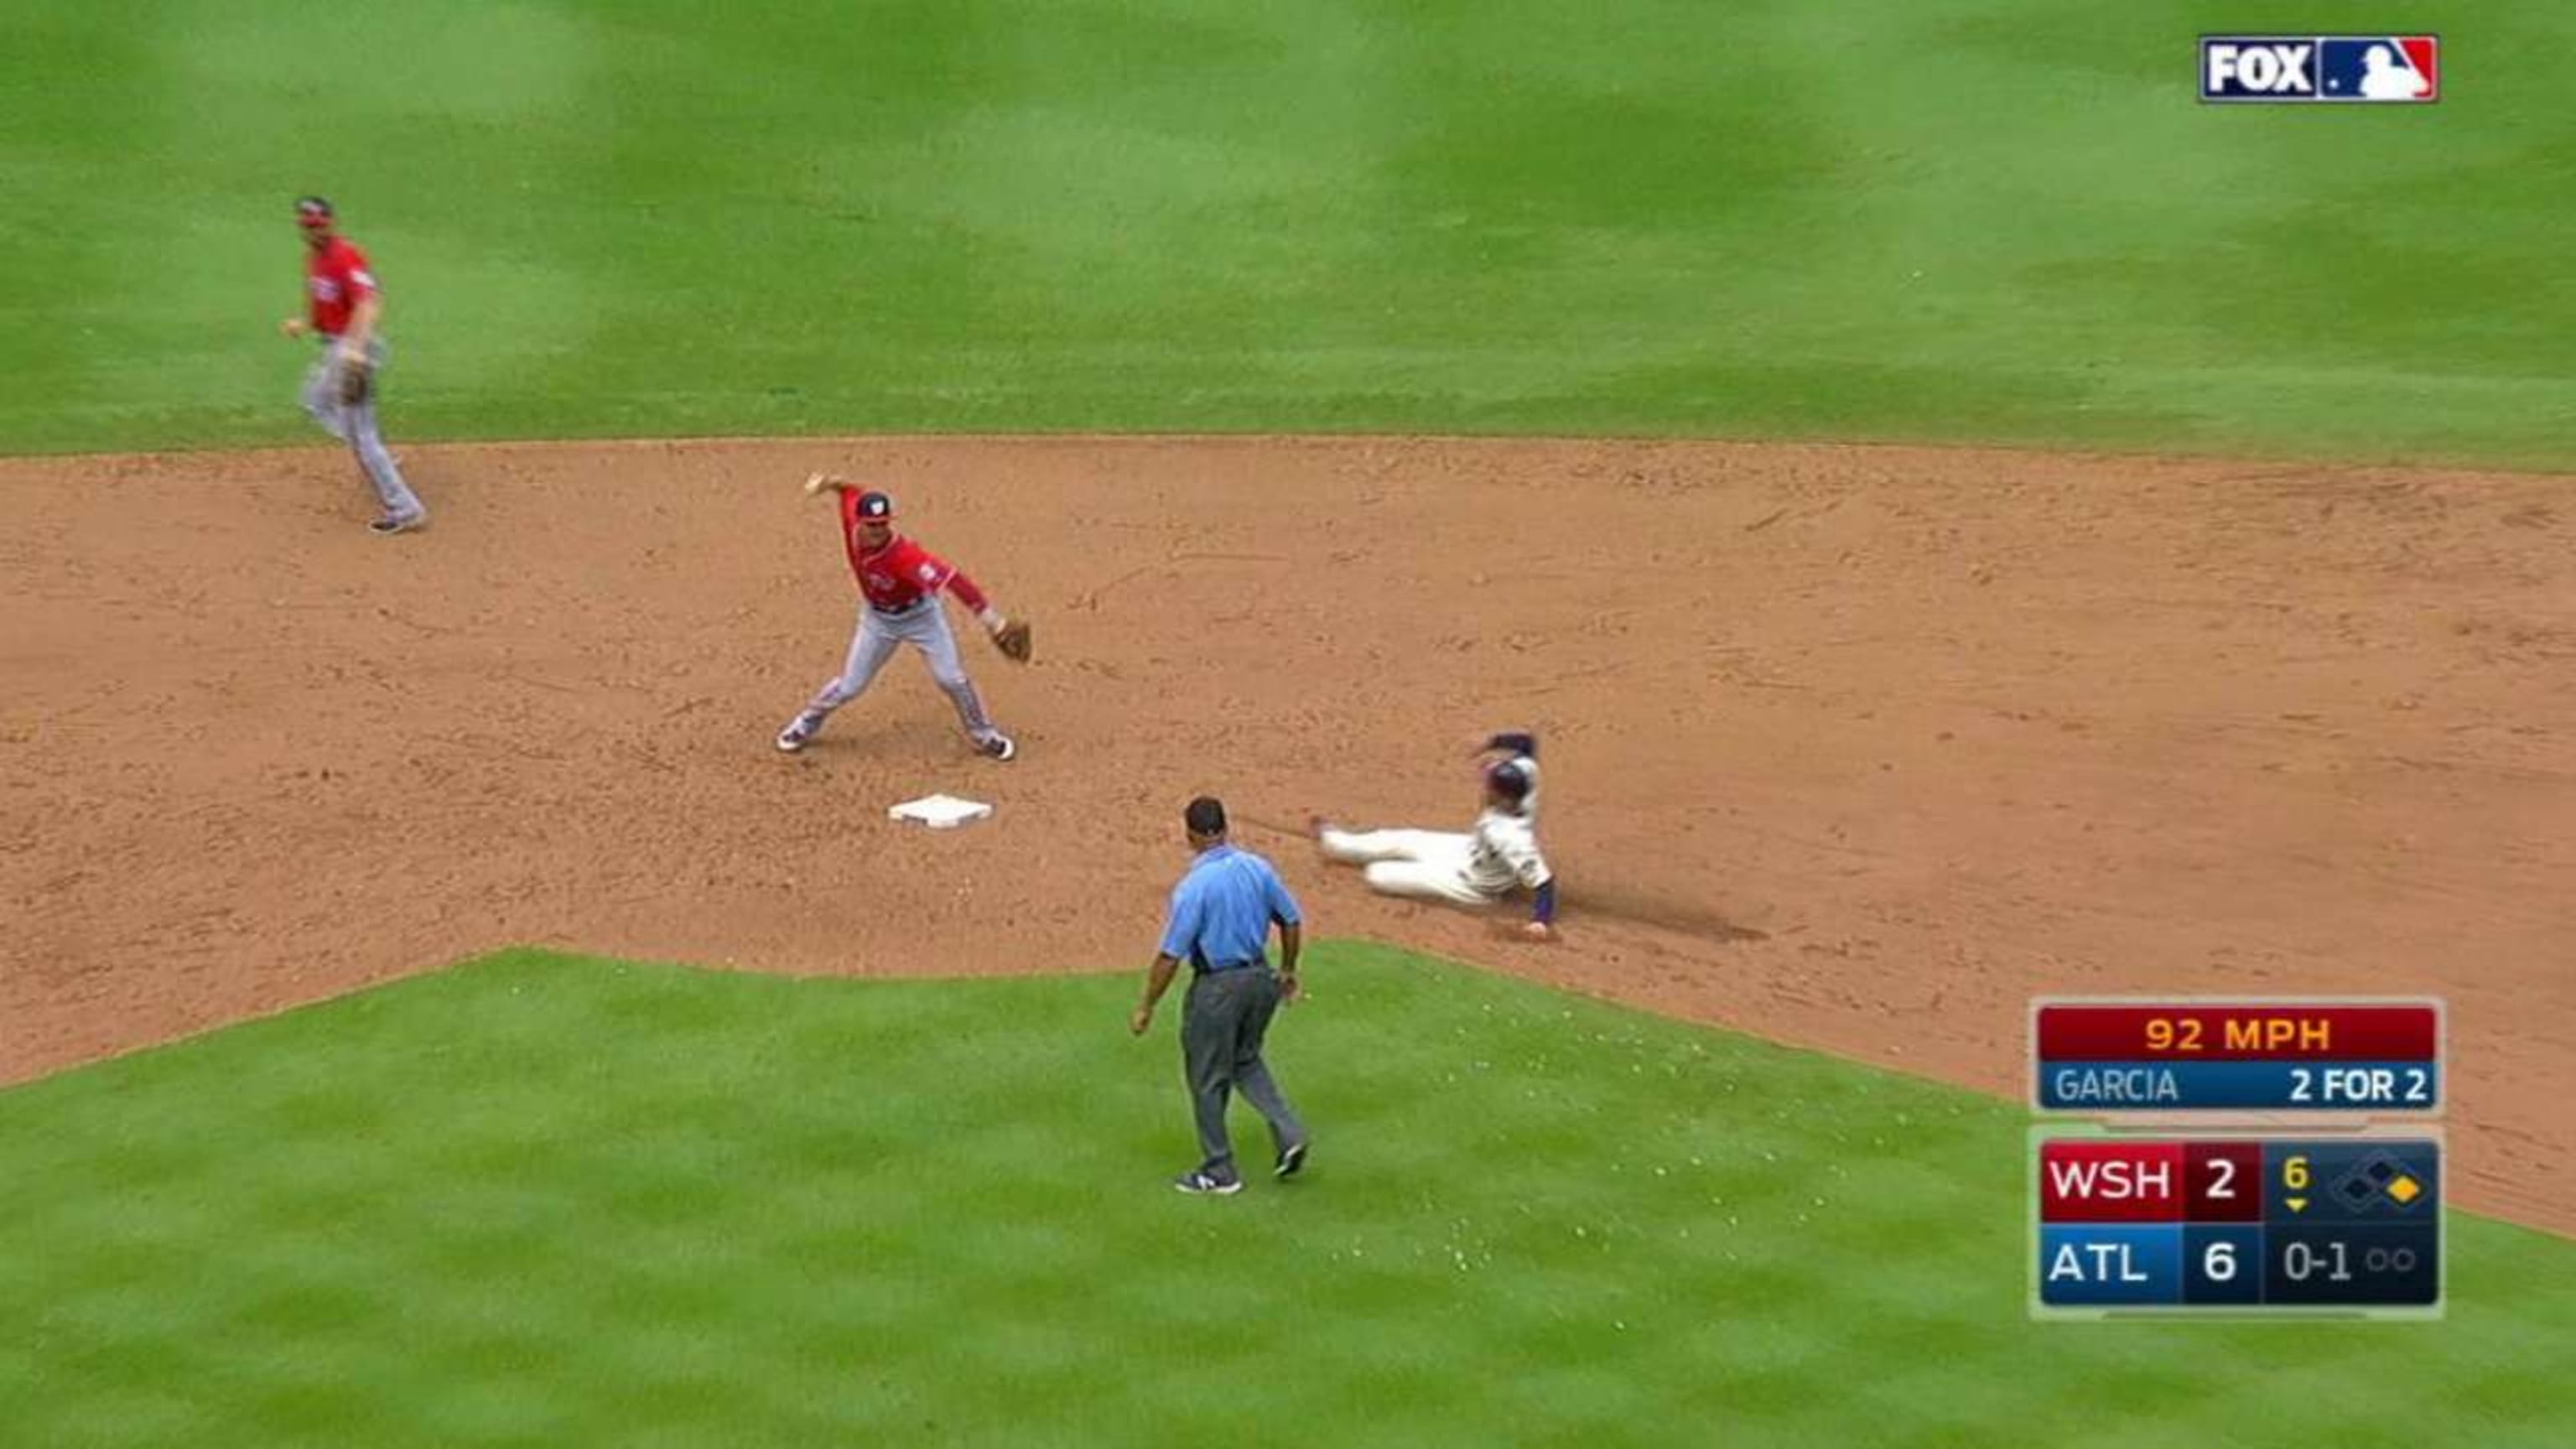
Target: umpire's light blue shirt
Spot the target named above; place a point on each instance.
(1222, 910)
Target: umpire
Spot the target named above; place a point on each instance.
(1222, 911)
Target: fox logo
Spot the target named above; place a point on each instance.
(2405, 69)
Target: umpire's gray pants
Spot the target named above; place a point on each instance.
(356, 426)
(1222, 1023)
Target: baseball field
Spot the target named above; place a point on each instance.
(1967, 520)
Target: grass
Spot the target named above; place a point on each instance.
(546, 1200)
(1997, 220)
(551, 1200)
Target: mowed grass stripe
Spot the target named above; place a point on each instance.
(1992, 220)
(541, 1198)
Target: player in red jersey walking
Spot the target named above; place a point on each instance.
(345, 308)
(900, 583)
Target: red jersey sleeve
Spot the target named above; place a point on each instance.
(929, 573)
(356, 274)
(921, 568)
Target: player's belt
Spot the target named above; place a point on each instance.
(898, 613)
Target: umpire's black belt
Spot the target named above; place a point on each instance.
(1224, 966)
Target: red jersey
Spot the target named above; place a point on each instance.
(902, 573)
(337, 276)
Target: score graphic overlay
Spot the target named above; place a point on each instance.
(2336, 1222)
(2186, 1192)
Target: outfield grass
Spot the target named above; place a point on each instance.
(1985, 220)
(552, 1200)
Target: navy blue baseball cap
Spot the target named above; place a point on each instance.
(1510, 779)
(876, 507)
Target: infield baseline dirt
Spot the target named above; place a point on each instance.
(1853, 747)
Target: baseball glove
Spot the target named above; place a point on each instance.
(354, 380)
(1013, 639)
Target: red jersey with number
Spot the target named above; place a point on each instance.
(338, 278)
(903, 573)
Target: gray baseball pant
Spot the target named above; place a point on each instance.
(356, 426)
(925, 627)
(1223, 1021)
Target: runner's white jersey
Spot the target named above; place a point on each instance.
(1506, 851)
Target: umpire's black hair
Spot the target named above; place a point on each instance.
(1206, 816)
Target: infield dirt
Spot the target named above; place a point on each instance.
(1853, 747)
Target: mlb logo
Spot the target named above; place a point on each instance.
(2394, 69)
(2403, 69)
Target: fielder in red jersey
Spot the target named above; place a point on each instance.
(343, 308)
(899, 585)
(337, 279)
(897, 573)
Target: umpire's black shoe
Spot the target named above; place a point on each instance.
(1199, 1180)
(1292, 1160)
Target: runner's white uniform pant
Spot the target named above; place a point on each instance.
(1428, 865)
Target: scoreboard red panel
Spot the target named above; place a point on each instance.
(2248, 1031)
(2223, 1182)
(2093, 1180)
